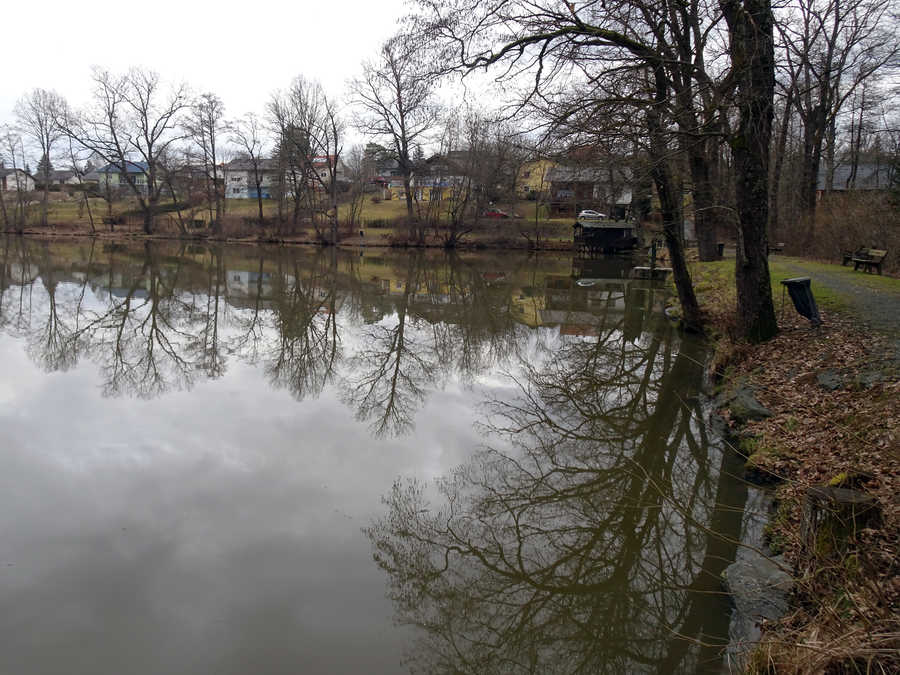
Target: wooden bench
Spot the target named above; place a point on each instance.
(848, 256)
(872, 260)
(776, 248)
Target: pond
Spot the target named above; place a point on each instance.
(225, 459)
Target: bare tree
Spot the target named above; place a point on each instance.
(205, 126)
(12, 157)
(311, 132)
(752, 51)
(36, 113)
(131, 119)
(357, 174)
(621, 54)
(830, 49)
(394, 95)
(246, 134)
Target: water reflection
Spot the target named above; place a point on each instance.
(579, 540)
(157, 317)
(588, 536)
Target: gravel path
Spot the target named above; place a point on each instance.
(878, 308)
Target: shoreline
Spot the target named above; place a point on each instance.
(356, 242)
(812, 414)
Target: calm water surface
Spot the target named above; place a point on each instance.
(240, 460)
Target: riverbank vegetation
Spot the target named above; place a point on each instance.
(832, 392)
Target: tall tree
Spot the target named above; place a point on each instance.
(37, 113)
(246, 134)
(752, 50)
(394, 96)
(131, 119)
(205, 125)
(12, 158)
(311, 133)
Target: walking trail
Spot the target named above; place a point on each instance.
(873, 300)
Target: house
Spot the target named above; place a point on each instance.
(63, 177)
(111, 177)
(867, 176)
(532, 180)
(322, 166)
(240, 178)
(574, 188)
(15, 180)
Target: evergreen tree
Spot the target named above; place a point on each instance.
(44, 168)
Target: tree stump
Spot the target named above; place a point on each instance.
(833, 516)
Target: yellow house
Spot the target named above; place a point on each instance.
(532, 177)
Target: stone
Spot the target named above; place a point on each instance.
(744, 407)
(830, 379)
(759, 587)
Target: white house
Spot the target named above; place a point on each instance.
(15, 180)
(240, 179)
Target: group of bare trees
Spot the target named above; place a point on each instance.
(691, 87)
(310, 141)
(155, 142)
(833, 94)
(685, 94)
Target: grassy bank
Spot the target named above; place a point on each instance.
(833, 393)
(381, 223)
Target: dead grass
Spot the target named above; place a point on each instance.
(845, 617)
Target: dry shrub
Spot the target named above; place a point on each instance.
(239, 227)
(846, 221)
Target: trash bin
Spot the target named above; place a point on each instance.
(802, 297)
(721, 248)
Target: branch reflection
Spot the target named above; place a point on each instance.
(582, 539)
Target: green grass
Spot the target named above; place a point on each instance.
(717, 277)
(873, 281)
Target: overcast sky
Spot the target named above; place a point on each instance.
(242, 51)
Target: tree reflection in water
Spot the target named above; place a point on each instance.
(158, 317)
(583, 540)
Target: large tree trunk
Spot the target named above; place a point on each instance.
(3, 209)
(704, 202)
(671, 206)
(407, 188)
(781, 146)
(44, 199)
(812, 159)
(750, 24)
(259, 200)
(150, 207)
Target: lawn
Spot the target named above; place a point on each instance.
(713, 277)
